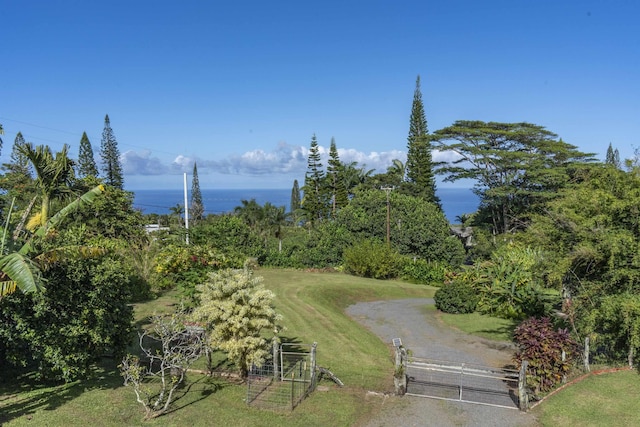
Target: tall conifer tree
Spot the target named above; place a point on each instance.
(295, 201)
(613, 157)
(86, 161)
(19, 162)
(197, 208)
(335, 180)
(420, 180)
(111, 167)
(313, 202)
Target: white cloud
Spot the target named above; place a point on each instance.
(445, 156)
(142, 163)
(284, 159)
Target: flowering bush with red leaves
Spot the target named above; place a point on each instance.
(541, 345)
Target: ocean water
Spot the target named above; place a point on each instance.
(455, 201)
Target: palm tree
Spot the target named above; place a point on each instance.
(251, 213)
(273, 218)
(354, 176)
(397, 169)
(22, 268)
(54, 175)
(176, 212)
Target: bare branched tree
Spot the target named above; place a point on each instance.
(169, 348)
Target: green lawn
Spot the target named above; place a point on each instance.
(481, 325)
(313, 308)
(602, 400)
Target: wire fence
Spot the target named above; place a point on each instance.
(285, 380)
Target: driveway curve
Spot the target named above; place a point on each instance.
(423, 334)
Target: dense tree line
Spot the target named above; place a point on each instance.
(65, 282)
(556, 236)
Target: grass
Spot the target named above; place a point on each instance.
(602, 400)
(313, 308)
(492, 328)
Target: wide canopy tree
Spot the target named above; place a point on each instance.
(517, 167)
(417, 227)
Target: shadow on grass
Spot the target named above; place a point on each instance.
(23, 395)
(196, 391)
(294, 344)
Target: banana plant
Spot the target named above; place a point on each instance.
(22, 268)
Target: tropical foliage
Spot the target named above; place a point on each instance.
(417, 227)
(543, 346)
(80, 318)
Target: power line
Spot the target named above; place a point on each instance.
(93, 137)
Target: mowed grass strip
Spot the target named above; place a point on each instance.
(313, 308)
(600, 400)
(493, 328)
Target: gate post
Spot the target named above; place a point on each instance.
(400, 374)
(523, 398)
(276, 360)
(313, 365)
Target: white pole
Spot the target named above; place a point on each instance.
(186, 208)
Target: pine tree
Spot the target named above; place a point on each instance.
(313, 202)
(335, 180)
(17, 179)
(197, 208)
(86, 162)
(420, 180)
(110, 155)
(613, 157)
(19, 162)
(295, 201)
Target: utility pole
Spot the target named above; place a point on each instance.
(186, 210)
(388, 191)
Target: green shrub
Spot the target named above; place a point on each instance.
(423, 271)
(83, 315)
(510, 284)
(457, 297)
(184, 267)
(372, 258)
(282, 259)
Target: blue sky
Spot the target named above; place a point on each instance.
(240, 87)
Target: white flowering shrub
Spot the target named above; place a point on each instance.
(235, 308)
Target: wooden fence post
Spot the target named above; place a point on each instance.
(523, 398)
(585, 356)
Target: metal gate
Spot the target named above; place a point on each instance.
(284, 380)
(462, 382)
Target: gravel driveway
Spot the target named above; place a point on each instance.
(425, 336)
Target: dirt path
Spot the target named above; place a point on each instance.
(425, 336)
